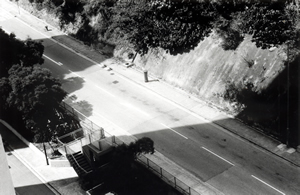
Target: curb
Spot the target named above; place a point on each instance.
(24, 161)
(212, 122)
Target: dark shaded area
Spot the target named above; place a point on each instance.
(34, 189)
(10, 138)
(15, 119)
(275, 110)
(73, 83)
(133, 181)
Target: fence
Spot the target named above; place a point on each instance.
(92, 132)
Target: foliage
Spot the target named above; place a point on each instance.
(242, 94)
(35, 94)
(270, 23)
(231, 37)
(68, 11)
(31, 91)
(128, 153)
(34, 88)
(14, 51)
(5, 89)
(174, 26)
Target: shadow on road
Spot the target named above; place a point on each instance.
(72, 83)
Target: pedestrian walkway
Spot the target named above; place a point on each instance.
(61, 180)
(187, 102)
(164, 90)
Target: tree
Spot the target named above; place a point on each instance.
(176, 26)
(68, 11)
(5, 90)
(37, 95)
(34, 88)
(128, 153)
(14, 51)
(270, 23)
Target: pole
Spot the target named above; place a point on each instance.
(288, 99)
(146, 76)
(45, 153)
(18, 6)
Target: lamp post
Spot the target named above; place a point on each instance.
(288, 98)
(18, 6)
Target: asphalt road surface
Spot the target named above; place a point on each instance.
(220, 159)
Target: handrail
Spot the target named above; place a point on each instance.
(89, 125)
(78, 130)
(79, 165)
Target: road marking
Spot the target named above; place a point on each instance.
(105, 91)
(134, 108)
(267, 184)
(174, 131)
(217, 155)
(58, 63)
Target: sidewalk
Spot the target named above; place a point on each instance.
(170, 93)
(61, 180)
(187, 102)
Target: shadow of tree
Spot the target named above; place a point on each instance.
(73, 83)
(83, 107)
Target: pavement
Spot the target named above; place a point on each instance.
(63, 179)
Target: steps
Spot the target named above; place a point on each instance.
(79, 163)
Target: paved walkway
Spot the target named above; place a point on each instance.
(175, 96)
(61, 180)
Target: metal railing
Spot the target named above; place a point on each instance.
(93, 132)
(78, 165)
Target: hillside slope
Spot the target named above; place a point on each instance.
(206, 70)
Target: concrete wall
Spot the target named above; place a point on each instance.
(6, 184)
(205, 70)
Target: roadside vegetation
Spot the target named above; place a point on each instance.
(179, 26)
(30, 96)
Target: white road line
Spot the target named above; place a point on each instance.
(76, 74)
(105, 91)
(174, 131)
(134, 108)
(58, 63)
(217, 155)
(267, 184)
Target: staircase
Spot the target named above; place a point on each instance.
(79, 163)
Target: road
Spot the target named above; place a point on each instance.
(220, 159)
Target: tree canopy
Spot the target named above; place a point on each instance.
(29, 89)
(14, 51)
(128, 153)
(178, 26)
